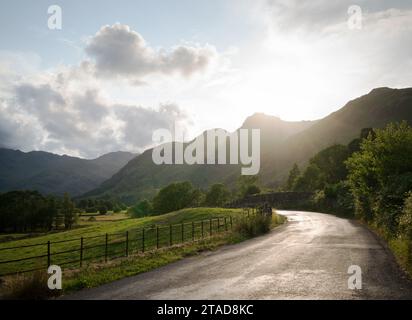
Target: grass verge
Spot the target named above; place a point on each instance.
(96, 275)
(400, 248)
(32, 287)
(94, 235)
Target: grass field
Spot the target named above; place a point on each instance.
(93, 233)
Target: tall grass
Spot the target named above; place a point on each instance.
(254, 225)
(31, 286)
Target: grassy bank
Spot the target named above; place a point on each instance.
(94, 234)
(100, 273)
(96, 275)
(401, 248)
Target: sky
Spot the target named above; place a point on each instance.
(118, 70)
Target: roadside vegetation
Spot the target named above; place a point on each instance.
(95, 274)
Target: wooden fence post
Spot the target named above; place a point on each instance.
(225, 224)
(48, 254)
(106, 247)
(210, 227)
(81, 251)
(231, 224)
(193, 231)
(218, 225)
(127, 243)
(202, 229)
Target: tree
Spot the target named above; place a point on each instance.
(68, 212)
(248, 185)
(142, 209)
(405, 221)
(380, 175)
(293, 176)
(102, 210)
(175, 196)
(325, 168)
(251, 190)
(217, 196)
(26, 210)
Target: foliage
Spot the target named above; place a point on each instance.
(27, 211)
(405, 220)
(293, 176)
(326, 167)
(248, 185)
(102, 205)
(254, 225)
(175, 196)
(142, 209)
(217, 195)
(29, 287)
(68, 212)
(380, 175)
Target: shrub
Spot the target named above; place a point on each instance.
(380, 175)
(175, 196)
(253, 225)
(31, 286)
(103, 210)
(405, 221)
(217, 196)
(142, 209)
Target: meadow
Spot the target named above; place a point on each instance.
(111, 236)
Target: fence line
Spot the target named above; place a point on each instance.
(111, 245)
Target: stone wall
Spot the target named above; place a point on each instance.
(278, 200)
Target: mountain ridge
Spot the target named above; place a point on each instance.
(282, 143)
(51, 173)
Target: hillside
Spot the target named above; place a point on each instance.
(53, 174)
(140, 178)
(373, 110)
(282, 144)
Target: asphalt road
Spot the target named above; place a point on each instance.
(307, 258)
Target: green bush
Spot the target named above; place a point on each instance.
(217, 196)
(176, 196)
(380, 176)
(405, 221)
(254, 225)
(142, 209)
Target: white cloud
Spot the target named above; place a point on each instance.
(72, 109)
(119, 51)
(52, 117)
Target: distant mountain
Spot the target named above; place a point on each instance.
(53, 174)
(282, 144)
(373, 110)
(141, 178)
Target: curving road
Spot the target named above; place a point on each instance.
(307, 258)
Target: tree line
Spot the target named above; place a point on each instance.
(180, 195)
(24, 211)
(371, 177)
(28, 211)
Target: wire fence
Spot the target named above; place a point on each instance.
(73, 253)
